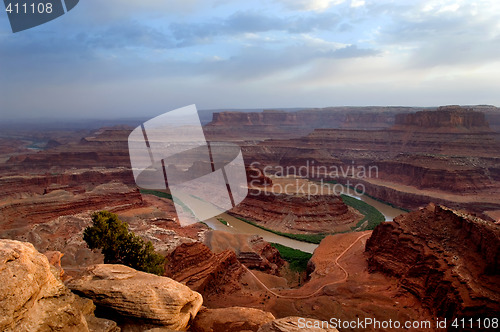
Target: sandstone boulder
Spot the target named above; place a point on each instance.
(94, 323)
(234, 319)
(32, 297)
(139, 296)
(296, 324)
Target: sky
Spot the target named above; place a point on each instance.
(121, 58)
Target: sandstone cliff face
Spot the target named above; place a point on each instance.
(75, 181)
(33, 298)
(445, 118)
(296, 213)
(431, 162)
(41, 208)
(103, 148)
(196, 266)
(280, 124)
(449, 260)
(333, 117)
(139, 296)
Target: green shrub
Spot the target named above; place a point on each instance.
(222, 221)
(372, 216)
(120, 246)
(296, 258)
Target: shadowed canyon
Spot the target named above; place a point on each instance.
(308, 172)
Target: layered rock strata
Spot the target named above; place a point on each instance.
(447, 259)
(202, 270)
(295, 213)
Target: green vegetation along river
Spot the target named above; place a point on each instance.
(235, 225)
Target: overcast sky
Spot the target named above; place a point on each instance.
(121, 58)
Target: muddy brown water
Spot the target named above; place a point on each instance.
(238, 226)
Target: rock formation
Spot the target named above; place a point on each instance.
(34, 299)
(107, 147)
(256, 177)
(281, 124)
(251, 250)
(204, 271)
(456, 156)
(447, 259)
(446, 118)
(139, 296)
(42, 208)
(233, 319)
(295, 213)
(295, 324)
(54, 258)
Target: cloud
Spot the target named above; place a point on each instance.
(310, 5)
(253, 22)
(125, 57)
(128, 34)
(444, 33)
(352, 51)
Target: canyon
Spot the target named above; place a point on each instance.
(455, 161)
(446, 156)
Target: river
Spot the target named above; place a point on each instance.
(238, 226)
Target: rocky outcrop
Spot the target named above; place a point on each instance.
(74, 181)
(251, 250)
(332, 117)
(295, 213)
(233, 319)
(37, 209)
(140, 296)
(457, 156)
(87, 307)
(451, 118)
(418, 199)
(54, 258)
(266, 258)
(447, 259)
(296, 324)
(256, 177)
(196, 266)
(276, 124)
(107, 147)
(33, 298)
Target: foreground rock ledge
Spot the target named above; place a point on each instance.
(232, 319)
(139, 295)
(297, 324)
(32, 298)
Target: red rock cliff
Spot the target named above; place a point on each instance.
(449, 260)
(445, 117)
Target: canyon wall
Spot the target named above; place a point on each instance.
(445, 117)
(294, 213)
(447, 259)
(456, 160)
